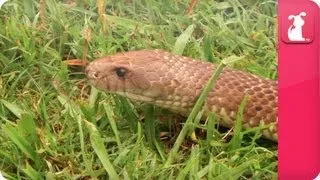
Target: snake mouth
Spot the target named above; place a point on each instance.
(135, 96)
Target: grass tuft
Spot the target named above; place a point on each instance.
(55, 126)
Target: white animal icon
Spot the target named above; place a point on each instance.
(295, 30)
(318, 177)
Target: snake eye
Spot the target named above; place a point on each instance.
(121, 72)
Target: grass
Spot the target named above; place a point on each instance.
(55, 126)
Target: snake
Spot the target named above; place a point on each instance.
(175, 82)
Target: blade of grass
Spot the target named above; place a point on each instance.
(94, 94)
(21, 142)
(197, 107)
(130, 113)
(207, 49)
(151, 133)
(31, 172)
(236, 172)
(27, 127)
(195, 154)
(28, 7)
(75, 112)
(210, 129)
(210, 167)
(13, 108)
(113, 124)
(182, 40)
(204, 171)
(191, 163)
(235, 142)
(98, 146)
(150, 125)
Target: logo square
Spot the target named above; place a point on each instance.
(298, 23)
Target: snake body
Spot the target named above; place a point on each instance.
(175, 82)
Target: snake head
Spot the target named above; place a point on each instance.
(124, 75)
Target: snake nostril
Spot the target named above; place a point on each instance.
(95, 75)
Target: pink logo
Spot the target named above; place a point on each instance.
(299, 22)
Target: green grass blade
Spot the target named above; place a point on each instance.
(44, 103)
(13, 108)
(150, 128)
(207, 49)
(190, 164)
(98, 146)
(236, 140)
(197, 107)
(28, 7)
(20, 141)
(113, 123)
(28, 129)
(210, 127)
(235, 173)
(31, 172)
(232, 59)
(183, 40)
(94, 94)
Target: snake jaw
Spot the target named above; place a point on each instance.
(136, 97)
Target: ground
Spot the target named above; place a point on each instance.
(55, 126)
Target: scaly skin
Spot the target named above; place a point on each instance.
(175, 82)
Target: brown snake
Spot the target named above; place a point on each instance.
(175, 82)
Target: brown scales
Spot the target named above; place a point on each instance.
(175, 82)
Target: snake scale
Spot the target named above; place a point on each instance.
(175, 82)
